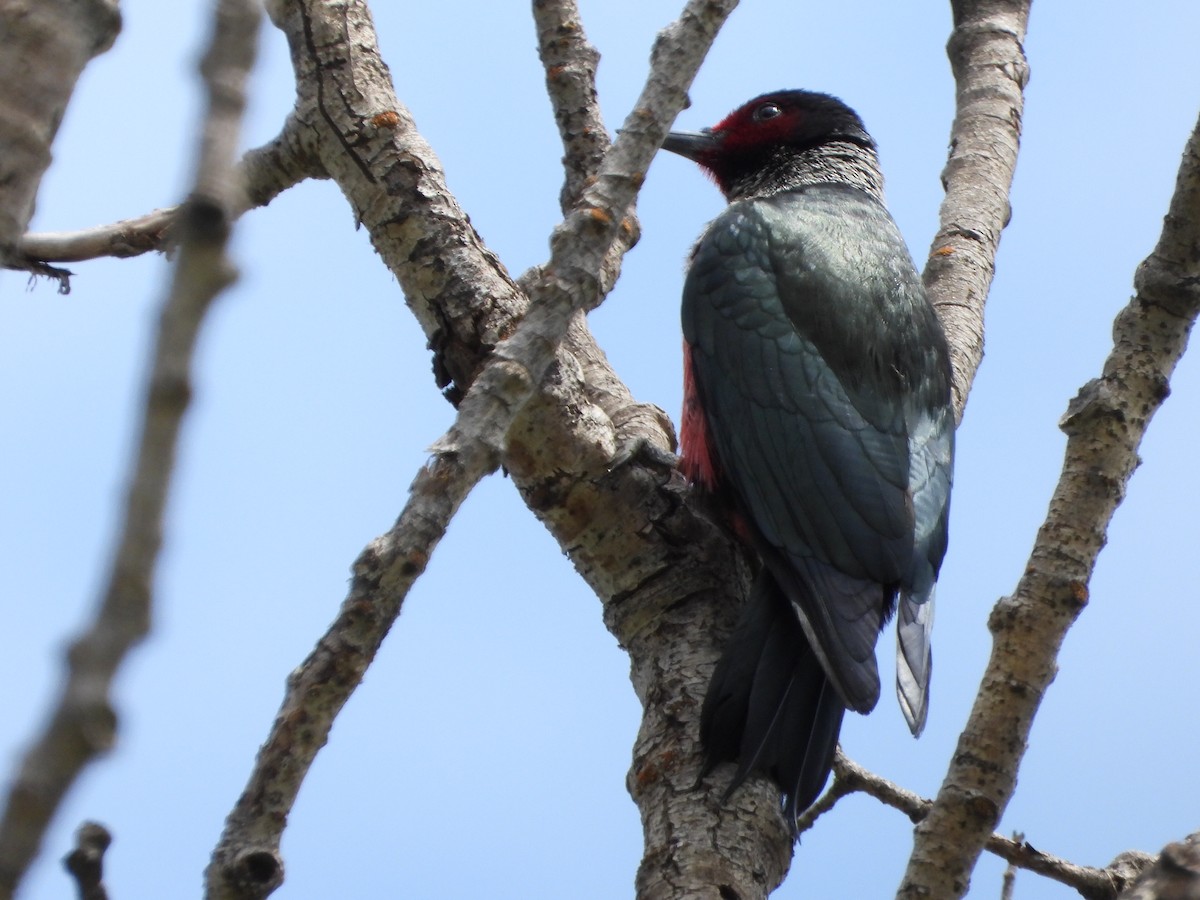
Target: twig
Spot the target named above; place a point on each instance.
(1008, 882)
(83, 723)
(1092, 883)
(129, 237)
(1104, 424)
(262, 173)
(246, 862)
(86, 861)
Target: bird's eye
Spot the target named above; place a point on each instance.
(766, 111)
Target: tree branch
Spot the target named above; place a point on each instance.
(1173, 875)
(86, 861)
(128, 237)
(1105, 424)
(83, 723)
(246, 862)
(570, 62)
(1092, 883)
(56, 39)
(990, 72)
(262, 173)
(1009, 880)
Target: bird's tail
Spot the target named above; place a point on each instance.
(769, 705)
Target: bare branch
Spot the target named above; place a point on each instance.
(83, 723)
(886, 792)
(246, 862)
(1105, 424)
(56, 39)
(990, 72)
(128, 237)
(570, 62)
(1094, 884)
(281, 163)
(846, 781)
(1009, 881)
(262, 173)
(86, 861)
(1174, 875)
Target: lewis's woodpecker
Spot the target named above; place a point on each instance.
(817, 414)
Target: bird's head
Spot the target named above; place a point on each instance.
(777, 141)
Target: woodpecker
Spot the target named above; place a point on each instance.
(817, 414)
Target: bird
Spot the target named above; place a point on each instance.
(818, 419)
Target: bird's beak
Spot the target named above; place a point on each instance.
(694, 145)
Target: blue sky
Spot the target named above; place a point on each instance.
(486, 752)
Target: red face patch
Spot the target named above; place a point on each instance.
(768, 121)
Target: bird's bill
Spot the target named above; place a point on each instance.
(694, 145)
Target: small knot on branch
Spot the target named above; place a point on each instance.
(86, 861)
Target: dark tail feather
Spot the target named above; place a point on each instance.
(769, 705)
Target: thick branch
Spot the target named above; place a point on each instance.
(246, 863)
(990, 72)
(1173, 875)
(1105, 424)
(83, 723)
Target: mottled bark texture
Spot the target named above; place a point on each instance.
(990, 73)
(82, 724)
(47, 43)
(1104, 426)
(1174, 875)
(537, 396)
(575, 449)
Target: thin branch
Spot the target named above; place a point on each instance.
(246, 862)
(1104, 424)
(128, 237)
(570, 62)
(990, 73)
(1009, 881)
(1095, 884)
(86, 861)
(262, 173)
(83, 723)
